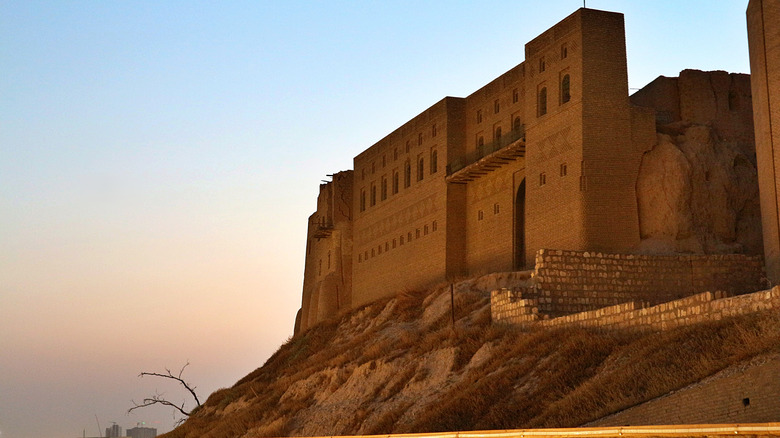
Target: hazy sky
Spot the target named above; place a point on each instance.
(158, 162)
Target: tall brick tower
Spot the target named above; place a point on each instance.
(763, 23)
(581, 160)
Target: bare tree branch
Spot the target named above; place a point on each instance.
(159, 399)
(169, 375)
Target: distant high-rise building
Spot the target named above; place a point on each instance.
(114, 431)
(141, 432)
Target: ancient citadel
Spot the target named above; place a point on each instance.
(652, 197)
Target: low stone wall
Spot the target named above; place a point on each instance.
(511, 308)
(576, 281)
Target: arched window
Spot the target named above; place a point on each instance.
(517, 125)
(383, 190)
(373, 194)
(497, 135)
(407, 174)
(565, 89)
(434, 162)
(420, 168)
(542, 102)
(396, 179)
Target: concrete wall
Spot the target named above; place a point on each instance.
(764, 43)
(746, 393)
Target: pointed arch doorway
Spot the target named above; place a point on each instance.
(520, 227)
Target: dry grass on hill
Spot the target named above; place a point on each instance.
(401, 366)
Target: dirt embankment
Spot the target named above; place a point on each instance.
(402, 365)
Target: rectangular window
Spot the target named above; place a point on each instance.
(383, 191)
(420, 168)
(433, 130)
(565, 87)
(541, 101)
(434, 225)
(564, 170)
(395, 154)
(394, 243)
(396, 180)
(407, 146)
(542, 179)
(362, 199)
(564, 51)
(541, 64)
(515, 95)
(417, 233)
(384, 160)
(495, 208)
(496, 106)
(407, 174)
(419, 139)
(401, 240)
(479, 116)
(360, 258)
(425, 230)
(379, 250)
(387, 246)
(373, 194)
(409, 236)
(434, 161)
(373, 168)
(480, 215)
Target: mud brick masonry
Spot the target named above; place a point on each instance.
(542, 165)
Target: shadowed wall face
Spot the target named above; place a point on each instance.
(764, 43)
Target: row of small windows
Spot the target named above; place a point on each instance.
(565, 95)
(400, 241)
(497, 104)
(395, 152)
(481, 214)
(371, 197)
(564, 55)
(564, 170)
(517, 127)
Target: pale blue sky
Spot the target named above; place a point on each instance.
(158, 162)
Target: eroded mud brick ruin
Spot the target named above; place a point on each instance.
(653, 196)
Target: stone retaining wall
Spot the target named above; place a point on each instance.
(577, 281)
(597, 289)
(707, 306)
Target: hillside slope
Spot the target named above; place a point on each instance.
(402, 365)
